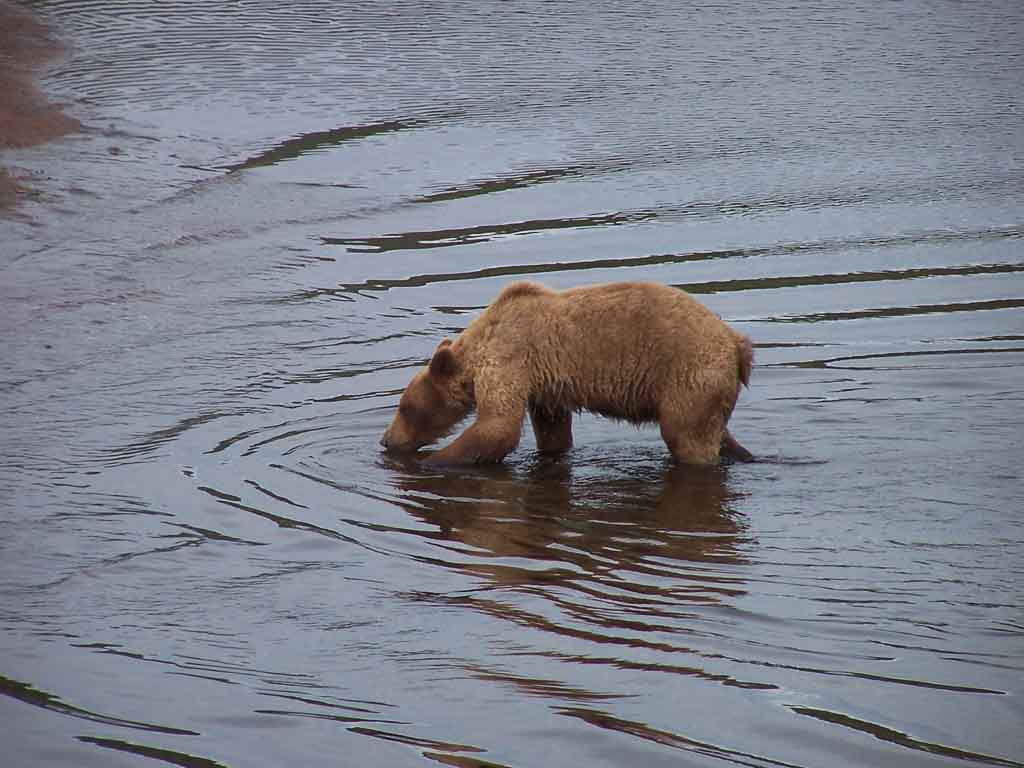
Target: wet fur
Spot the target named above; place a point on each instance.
(640, 352)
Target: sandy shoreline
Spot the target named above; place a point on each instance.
(26, 117)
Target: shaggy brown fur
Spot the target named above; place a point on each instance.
(641, 352)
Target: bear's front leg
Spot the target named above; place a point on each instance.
(553, 429)
(485, 441)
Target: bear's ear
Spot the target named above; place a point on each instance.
(443, 363)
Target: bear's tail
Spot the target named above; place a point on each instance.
(746, 355)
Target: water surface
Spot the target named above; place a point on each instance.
(217, 292)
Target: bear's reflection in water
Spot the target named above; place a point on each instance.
(602, 568)
(664, 531)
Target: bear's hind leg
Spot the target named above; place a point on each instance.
(732, 449)
(693, 439)
(553, 429)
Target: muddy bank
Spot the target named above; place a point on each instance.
(26, 116)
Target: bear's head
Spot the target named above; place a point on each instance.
(431, 406)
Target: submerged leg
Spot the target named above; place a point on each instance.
(694, 435)
(485, 441)
(553, 429)
(689, 445)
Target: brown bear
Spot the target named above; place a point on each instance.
(641, 352)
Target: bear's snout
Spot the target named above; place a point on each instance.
(395, 438)
(387, 439)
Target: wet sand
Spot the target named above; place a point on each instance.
(27, 118)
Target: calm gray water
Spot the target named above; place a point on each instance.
(216, 294)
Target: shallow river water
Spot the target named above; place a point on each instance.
(215, 294)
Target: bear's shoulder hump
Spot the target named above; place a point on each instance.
(522, 288)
